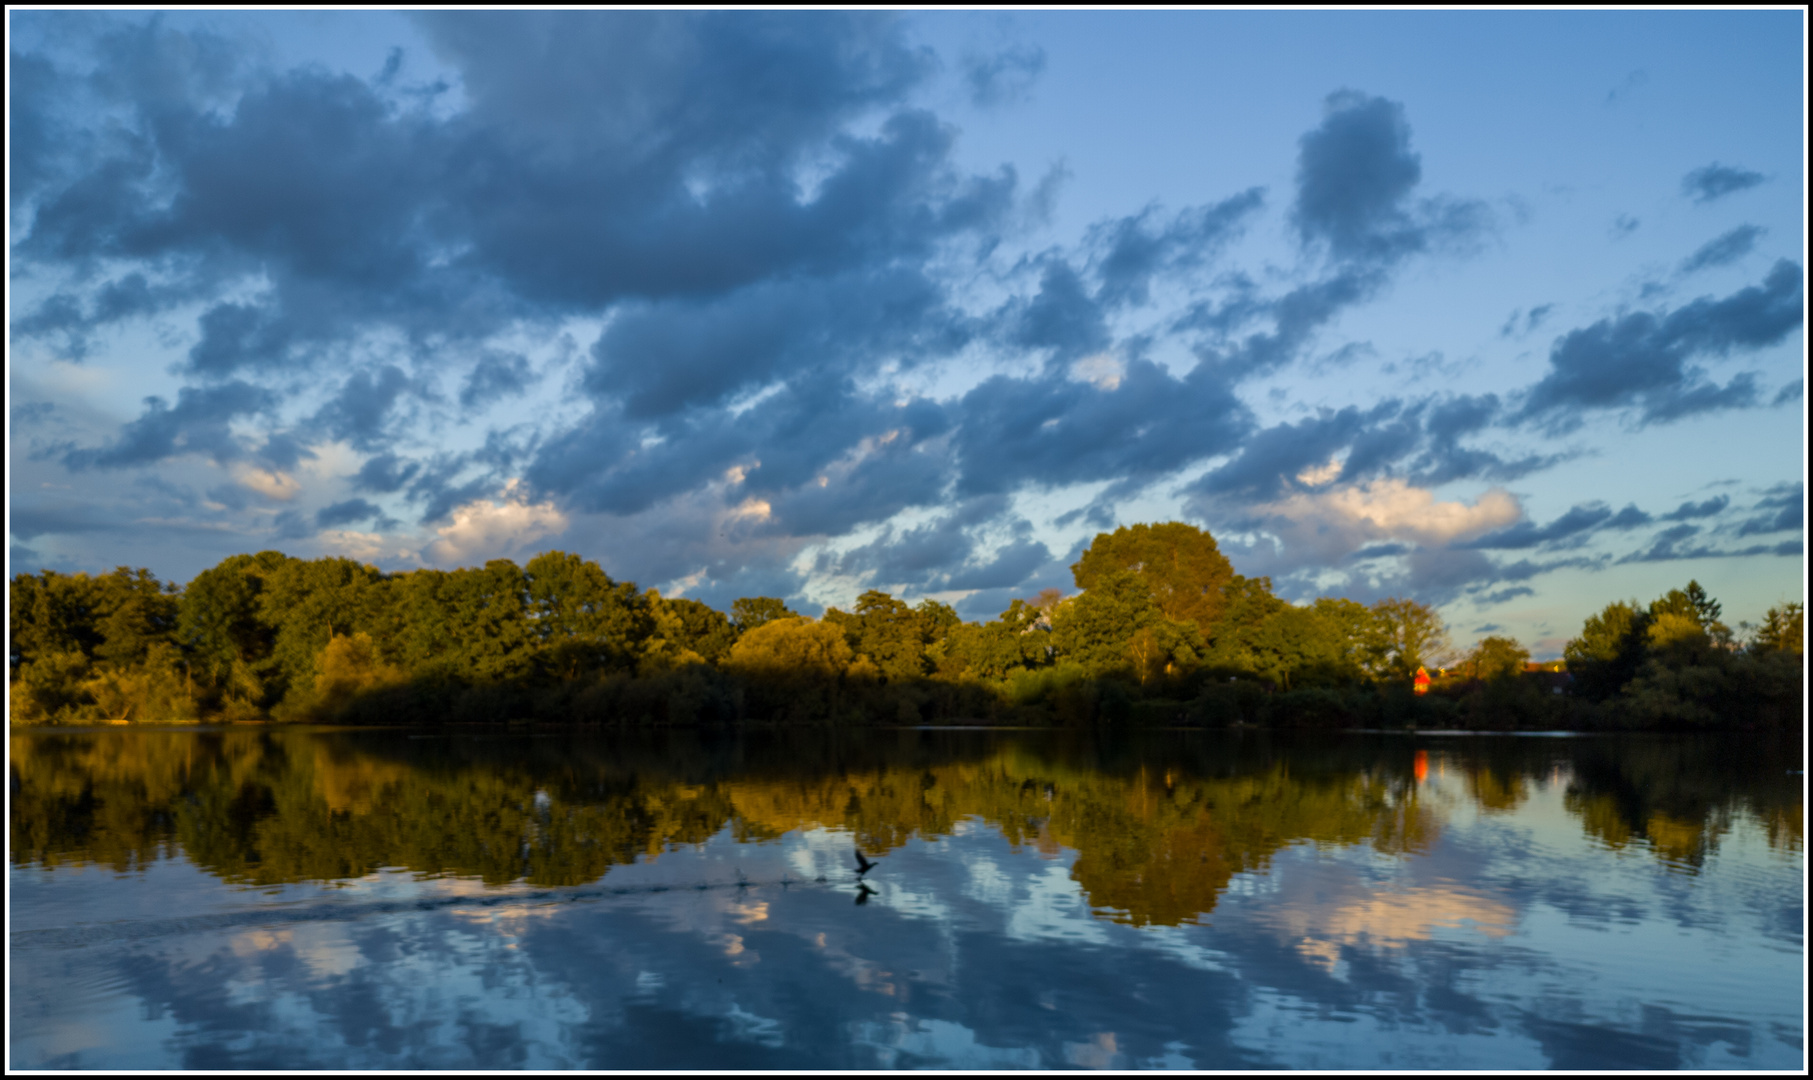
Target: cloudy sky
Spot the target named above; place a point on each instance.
(1501, 311)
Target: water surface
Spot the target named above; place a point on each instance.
(322, 899)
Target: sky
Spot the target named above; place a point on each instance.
(1500, 311)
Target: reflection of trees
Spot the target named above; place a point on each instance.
(1679, 796)
(1159, 826)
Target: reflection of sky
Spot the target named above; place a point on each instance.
(1515, 941)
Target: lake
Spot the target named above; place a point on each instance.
(264, 898)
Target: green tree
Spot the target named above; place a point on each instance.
(887, 631)
(51, 613)
(1782, 630)
(1247, 603)
(1365, 648)
(305, 604)
(1693, 603)
(753, 611)
(1017, 640)
(1095, 629)
(1415, 636)
(1181, 567)
(219, 621)
(1496, 658)
(1608, 651)
(582, 620)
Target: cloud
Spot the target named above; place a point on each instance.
(496, 375)
(1422, 440)
(271, 483)
(1355, 174)
(1716, 181)
(358, 413)
(1052, 430)
(1133, 250)
(1671, 544)
(1688, 511)
(979, 546)
(1521, 324)
(347, 512)
(1623, 225)
(660, 359)
(1723, 250)
(1325, 528)
(1641, 360)
(1002, 77)
(199, 423)
(1782, 510)
(1580, 519)
(491, 528)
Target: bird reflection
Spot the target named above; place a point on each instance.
(863, 892)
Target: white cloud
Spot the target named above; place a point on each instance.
(270, 483)
(1104, 370)
(1392, 509)
(486, 529)
(1324, 527)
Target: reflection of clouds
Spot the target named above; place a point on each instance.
(905, 1042)
(1388, 917)
(1049, 904)
(972, 955)
(1099, 1052)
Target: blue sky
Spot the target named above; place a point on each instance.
(1501, 311)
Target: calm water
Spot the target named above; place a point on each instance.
(368, 900)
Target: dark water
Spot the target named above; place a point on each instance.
(369, 900)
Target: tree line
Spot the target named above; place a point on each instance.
(1162, 631)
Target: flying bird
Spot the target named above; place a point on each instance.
(863, 865)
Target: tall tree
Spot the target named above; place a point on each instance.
(750, 612)
(1608, 651)
(1415, 634)
(1496, 658)
(1180, 565)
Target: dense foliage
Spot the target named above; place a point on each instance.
(1163, 632)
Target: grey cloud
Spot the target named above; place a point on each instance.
(1295, 317)
(384, 474)
(666, 357)
(950, 554)
(1419, 440)
(496, 375)
(1628, 518)
(292, 525)
(1783, 510)
(1355, 176)
(1623, 225)
(1716, 181)
(1521, 323)
(345, 513)
(198, 423)
(1641, 360)
(1687, 511)
(1138, 247)
(1503, 595)
(1054, 430)
(1061, 316)
(357, 414)
(1579, 519)
(1003, 77)
(1670, 546)
(1723, 250)
(1791, 391)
